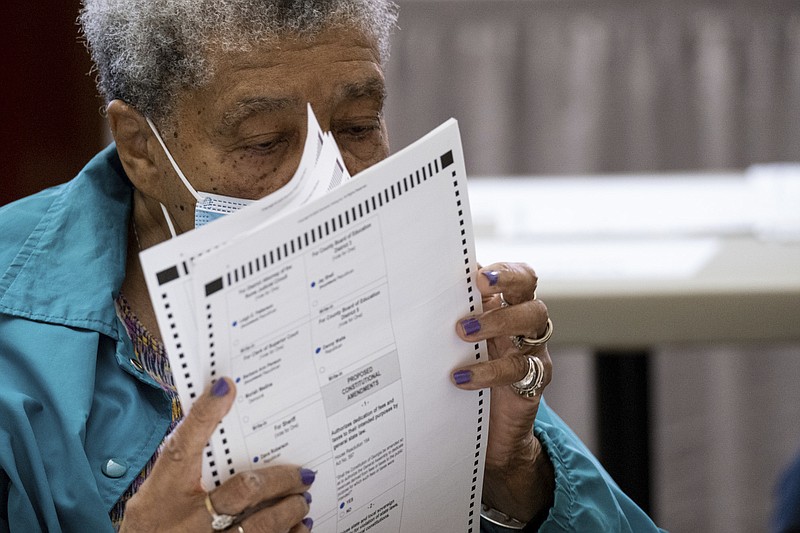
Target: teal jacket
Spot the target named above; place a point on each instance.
(78, 421)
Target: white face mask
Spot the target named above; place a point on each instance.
(208, 206)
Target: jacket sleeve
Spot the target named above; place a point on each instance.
(586, 498)
(46, 481)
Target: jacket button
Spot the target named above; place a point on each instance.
(136, 364)
(114, 468)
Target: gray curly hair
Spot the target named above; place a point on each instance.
(146, 51)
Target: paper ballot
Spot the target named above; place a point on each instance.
(334, 312)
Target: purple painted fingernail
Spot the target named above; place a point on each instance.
(462, 376)
(220, 388)
(307, 496)
(471, 326)
(308, 523)
(307, 476)
(491, 276)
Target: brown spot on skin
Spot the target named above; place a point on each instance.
(215, 189)
(274, 170)
(175, 135)
(269, 183)
(182, 208)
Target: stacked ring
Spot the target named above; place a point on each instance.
(529, 386)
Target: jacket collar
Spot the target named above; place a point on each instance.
(70, 267)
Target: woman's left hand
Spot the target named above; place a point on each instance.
(518, 478)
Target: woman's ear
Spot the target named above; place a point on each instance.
(133, 135)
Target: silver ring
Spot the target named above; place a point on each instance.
(219, 522)
(503, 302)
(529, 386)
(520, 341)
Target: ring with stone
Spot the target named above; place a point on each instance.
(219, 522)
(503, 302)
(521, 341)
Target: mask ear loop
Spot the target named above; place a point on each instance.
(178, 171)
(169, 221)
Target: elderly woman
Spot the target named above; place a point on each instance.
(86, 391)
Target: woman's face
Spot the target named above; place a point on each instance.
(243, 133)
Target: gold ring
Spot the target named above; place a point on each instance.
(219, 522)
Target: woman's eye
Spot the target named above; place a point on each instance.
(357, 131)
(267, 146)
(360, 131)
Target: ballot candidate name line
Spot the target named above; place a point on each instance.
(310, 462)
(371, 521)
(368, 287)
(282, 414)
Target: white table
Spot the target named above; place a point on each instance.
(633, 261)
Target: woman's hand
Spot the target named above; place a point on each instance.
(518, 479)
(172, 499)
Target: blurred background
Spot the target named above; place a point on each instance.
(611, 144)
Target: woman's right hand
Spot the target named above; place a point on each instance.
(272, 499)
